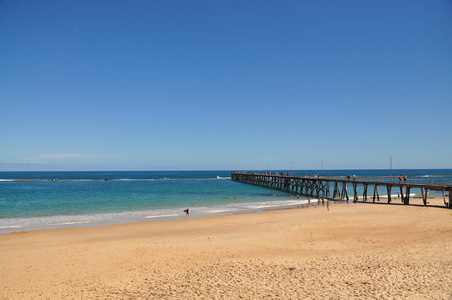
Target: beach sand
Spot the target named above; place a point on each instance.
(354, 251)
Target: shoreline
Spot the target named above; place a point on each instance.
(352, 251)
(415, 201)
(156, 218)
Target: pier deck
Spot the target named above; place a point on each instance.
(336, 187)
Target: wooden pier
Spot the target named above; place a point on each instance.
(337, 187)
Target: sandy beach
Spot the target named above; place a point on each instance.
(354, 251)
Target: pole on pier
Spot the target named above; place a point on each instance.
(390, 163)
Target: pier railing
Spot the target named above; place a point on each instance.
(435, 180)
(441, 181)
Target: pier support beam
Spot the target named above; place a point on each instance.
(424, 195)
(388, 187)
(336, 191)
(365, 193)
(407, 196)
(376, 193)
(402, 195)
(450, 198)
(344, 193)
(355, 194)
(317, 188)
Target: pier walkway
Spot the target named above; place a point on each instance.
(336, 187)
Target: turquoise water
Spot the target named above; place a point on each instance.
(125, 197)
(137, 196)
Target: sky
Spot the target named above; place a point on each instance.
(225, 85)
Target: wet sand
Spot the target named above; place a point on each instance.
(353, 251)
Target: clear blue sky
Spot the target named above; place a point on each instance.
(180, 85)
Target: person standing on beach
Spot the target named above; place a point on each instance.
(327, 204)
(187, 213)
(323, 201)
(309, 201)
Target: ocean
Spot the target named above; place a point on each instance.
(101, 198)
